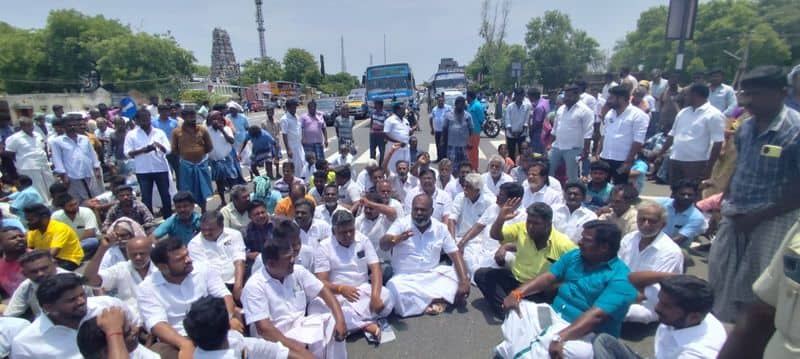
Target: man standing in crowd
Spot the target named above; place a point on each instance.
(624, 135)
(571, 135)
(657, 87)
(75, 161)
(540, 109)
(760, 204)
(28, 149)
(697, 135)
(438, 115)
(315, 133)
(722, 96)
(478, 115)
(377, 139)
(458, 131)
(515, 120)
(292, 133)
(224, 169)
(192, 143)
(148, 147)
(396, 133)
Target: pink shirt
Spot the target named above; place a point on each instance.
(10, 275)
(312, 128)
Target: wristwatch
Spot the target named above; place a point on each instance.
(556, 339)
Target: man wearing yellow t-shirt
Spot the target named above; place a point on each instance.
(536, 243)
(53, 236)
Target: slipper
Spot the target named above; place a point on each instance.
(435, 309)
(373, 338)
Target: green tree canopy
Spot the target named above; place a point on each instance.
(300, 66)
(557, 52)
(61, 56)
(257, 70)
(339, 84)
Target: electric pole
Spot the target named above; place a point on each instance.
(344, 66)
(260, 22)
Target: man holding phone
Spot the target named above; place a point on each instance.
(149, 146)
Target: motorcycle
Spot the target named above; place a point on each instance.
(491, 127)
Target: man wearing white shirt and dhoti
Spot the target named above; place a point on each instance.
(348, 265)
(397, 132)
(427, 185)
(30, 156)
(495, 175)
(276, 299)
(420, 284)
(572, 226)
(467, 209)
(292, 133)
(649, 249)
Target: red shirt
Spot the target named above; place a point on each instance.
(10, 275)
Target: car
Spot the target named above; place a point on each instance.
(329, 109)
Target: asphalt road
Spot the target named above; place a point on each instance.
(468, 332)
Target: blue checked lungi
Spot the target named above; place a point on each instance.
(224, 169)
(316, 148)
(456, 154)
(195, 178)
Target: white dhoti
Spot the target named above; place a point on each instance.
(357, 315)
(413, 292)
(402, 153)
(42, 180)
(528, 336)
(316, 330)
(298, 157)
(645, 312)
(479, 253)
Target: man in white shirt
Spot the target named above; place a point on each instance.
(609, 83)
(149, 146)
(515, 121)
(721, 96)
(207, 326)
(221, 250)
(75, 161)
(402, 183)
(397, 132)
(696, 137)
(572, 134)
(28, 149)
(224, 169)
(572, 227)
(111, 334)
(538, 189)
(291, 131)
(344, 157)
(349, 191)
(348, 266)
(82, 220)
(420, 284)
(495, 175)
(122, 280)
(436, 122)
(649, 250)
(627, 80)
(65, 305)
(276, 299)
(455, 187)
(467, 209)
(312, 231)
(624, 133)
(329, 205)
(36, 266)
(687, 329)
(657, 87)
(373, 223)
(165, 296)
(427, 185)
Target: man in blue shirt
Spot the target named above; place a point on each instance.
(184, 223)
(594, 297)
(240, 124)
(475, 110)
(684, 221)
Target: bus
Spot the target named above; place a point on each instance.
(384, 82)
(449, 80)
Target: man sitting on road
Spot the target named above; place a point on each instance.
(688, 329)
(130, 207)
(536, 244)
(373, 223)
(538, 188)
(593, 297)
(621, 210)
(427, 185)
(184, 223)
(312, 231)
(495, 175)
(684, 221)
(221, 249)
(574, 195)
(465, 211)
(276, 298)
(53, 236)
(649, 250)
(420, 284)
(285, 206)
(329, 205)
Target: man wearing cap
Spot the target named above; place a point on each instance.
(292, 133)
(760, 203)
(722, 96)
(624, 134)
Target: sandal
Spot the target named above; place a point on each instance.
(373, 337)
(435, 309)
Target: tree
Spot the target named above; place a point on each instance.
(339, 84)
(493, 34)
(260, 69)
(557, 52)
(300, 66)
(201, 70)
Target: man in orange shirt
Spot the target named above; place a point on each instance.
(285, 206)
